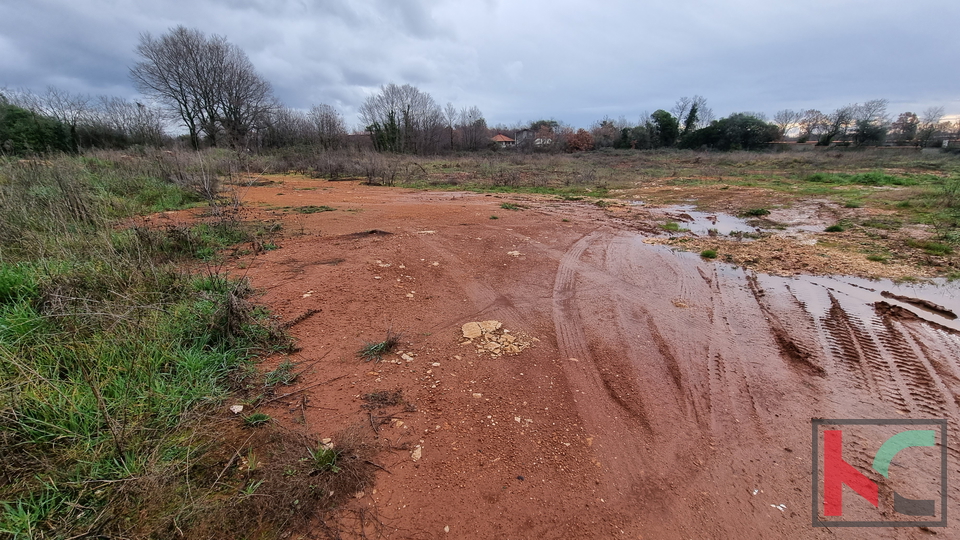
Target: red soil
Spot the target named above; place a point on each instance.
(666, 396)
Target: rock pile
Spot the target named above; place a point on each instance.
(490, 338)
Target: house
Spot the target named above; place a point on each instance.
(503, 141)
(527, 137)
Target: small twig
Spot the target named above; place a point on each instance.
(303, 409)
(288, 394)
(373, 424)
(381, 467)
(315, 361)
(233, 459)
(299, 319)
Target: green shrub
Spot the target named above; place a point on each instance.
(672, 226)
(834, 228)
(709, 254)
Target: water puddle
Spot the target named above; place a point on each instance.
(937, 301)
(791, 221)
(701, 223)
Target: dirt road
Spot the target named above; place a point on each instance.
(663, 396)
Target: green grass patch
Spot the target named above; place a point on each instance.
(709, 254)
(930, 247)
(510, 206)
(873, 178)
(313, 209)
(834, 228)
(376, 350)
(672, 226)
(755, 212)
(112, 357)
(885, 223)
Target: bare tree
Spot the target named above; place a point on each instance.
(681, 109)
(406, 119)
(330, 127)
(930, 122)
(692, 113)
(812, 124)
(785, 120)
(208, 83)
(872, 112)
(129, 122)
(472, 127)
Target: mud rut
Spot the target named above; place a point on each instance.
(689, 372)
(693, 382)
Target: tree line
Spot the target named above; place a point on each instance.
(208, 87)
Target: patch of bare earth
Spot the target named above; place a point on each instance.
(662, 396)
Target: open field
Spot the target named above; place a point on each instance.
(639, 386)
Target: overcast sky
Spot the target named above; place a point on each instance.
(521, 60)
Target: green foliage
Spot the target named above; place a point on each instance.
(666, 127)
(387, 137)
(672, 226)
(282, 374)
(551, 125)
(755, 212)
(930, 247)
(834, 228)
(256, 419)
(25, 132)
(510, 206)
(106, 349)
(324, 458)
(736, 132)
(709, 254)
(872, 178)
(375, 351)
(869, 133)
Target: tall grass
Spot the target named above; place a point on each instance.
(108, 350)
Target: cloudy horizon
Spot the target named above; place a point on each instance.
(519, 61)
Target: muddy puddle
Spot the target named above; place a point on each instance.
(937, 302)
(791, 221)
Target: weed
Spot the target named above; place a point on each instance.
(709, 254)
(256, 419)
(283, 374)
(852, 204)
(672, 226)
(494, 217)
(834, 228)
(510, 206)
(755, 212)
(877, 258)
(324, 458)
(251, 488)
(376, 350)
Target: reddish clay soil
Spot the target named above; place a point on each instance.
(663, 396)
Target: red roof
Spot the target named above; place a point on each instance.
(502, 138)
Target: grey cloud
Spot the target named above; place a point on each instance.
(520, 60)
